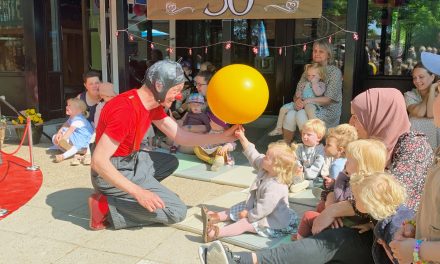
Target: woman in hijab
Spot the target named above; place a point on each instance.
(378, 113)
(381, 113)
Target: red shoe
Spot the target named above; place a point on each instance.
(98, 209)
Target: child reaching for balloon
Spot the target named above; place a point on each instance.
(312, 88)
(76, 132)
(266, 211)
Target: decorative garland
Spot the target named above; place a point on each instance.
(228, 44)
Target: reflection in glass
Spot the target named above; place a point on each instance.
(11, 36)
(398, 32)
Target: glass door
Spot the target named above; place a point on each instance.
(256, 37)
(51, 92)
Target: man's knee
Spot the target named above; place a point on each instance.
(178, 212)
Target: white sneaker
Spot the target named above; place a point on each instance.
(275, 132)
(214, 253)
(297, 187)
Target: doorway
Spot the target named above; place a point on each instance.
(72, 47)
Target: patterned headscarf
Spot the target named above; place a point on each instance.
(161, 76)
(382, 112)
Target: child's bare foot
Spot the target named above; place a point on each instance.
(213, 217)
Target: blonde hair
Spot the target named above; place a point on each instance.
(79, 104)
(380, 193)
(343, 134)
(319, 67)
(325, 45)
(316, 125)
(370, 155)
(284, 160)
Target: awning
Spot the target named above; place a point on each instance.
(232, 9)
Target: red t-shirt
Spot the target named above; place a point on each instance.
(119, 117)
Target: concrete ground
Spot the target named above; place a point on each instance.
(53, 226)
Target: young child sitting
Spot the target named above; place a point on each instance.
(266, 211)
(314, 87)
(217, 154)
(76, 132)
(382, 197)
(335, 145)
(365, 155)
(311, 152)
(195, 115)
(106, 93)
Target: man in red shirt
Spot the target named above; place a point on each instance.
(128, 179)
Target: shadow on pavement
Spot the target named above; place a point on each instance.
(71, 205)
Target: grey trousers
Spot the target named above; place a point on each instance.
(342, 245)
(145, 169)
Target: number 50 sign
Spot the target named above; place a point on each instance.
(233, 9)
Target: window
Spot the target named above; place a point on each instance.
(398, 31)
(11, 36)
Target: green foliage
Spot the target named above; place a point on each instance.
(417, 19)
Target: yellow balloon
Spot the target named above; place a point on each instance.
(237, 94)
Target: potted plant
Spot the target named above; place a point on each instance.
(36, 123)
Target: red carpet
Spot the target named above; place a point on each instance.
(17, 185)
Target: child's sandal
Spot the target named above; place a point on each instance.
(216, 231)
(205, 221)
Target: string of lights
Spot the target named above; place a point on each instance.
(228, 44)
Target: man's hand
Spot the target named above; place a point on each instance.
(149, 200)
(230, 133)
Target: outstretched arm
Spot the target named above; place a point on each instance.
(170, 128)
